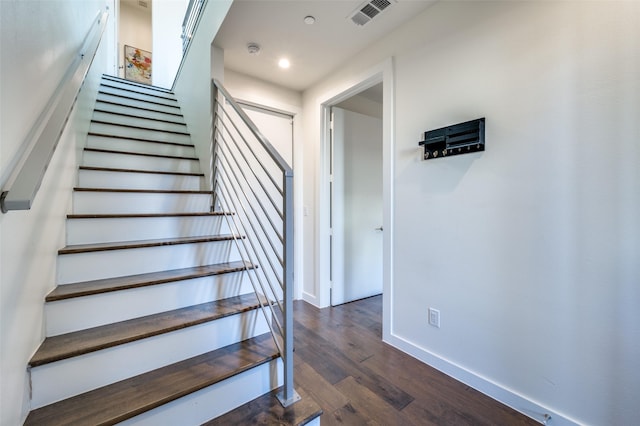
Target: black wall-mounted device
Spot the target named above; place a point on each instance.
(453, 140)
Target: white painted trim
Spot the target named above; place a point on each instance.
(381, 73)
(310, 298)
(482, 384)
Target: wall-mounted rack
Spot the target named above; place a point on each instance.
(458, 139)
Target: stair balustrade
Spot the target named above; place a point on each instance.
(252, 180)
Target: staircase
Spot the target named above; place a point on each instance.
(153, 321)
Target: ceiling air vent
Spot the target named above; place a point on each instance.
(142, 3)
(369, 10)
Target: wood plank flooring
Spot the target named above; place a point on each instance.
(267, 410)
(341, 362)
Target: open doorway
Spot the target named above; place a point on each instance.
(380, 73)
(356, 196)
(135, 40)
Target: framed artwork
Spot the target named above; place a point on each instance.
(137, 65)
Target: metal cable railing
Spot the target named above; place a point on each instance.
(252, 180)
(190, 21)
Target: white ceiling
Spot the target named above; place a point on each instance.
(314, 50)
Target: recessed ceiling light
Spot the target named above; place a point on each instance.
(284, 63)
(309, 20)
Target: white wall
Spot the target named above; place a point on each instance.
(251, 89)
(193, 82)
(530, 249)
(135, 30)
(44, 35)
(167, 17)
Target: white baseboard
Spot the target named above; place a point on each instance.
(310, 298)
(500, 393)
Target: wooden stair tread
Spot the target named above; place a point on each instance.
(141, 191)
(161, 95)
(142, 154)
(135, 84)
(156, 172)
(124, 245)
(267, 410)
(102, 92)
(81, 342)
(88, 288)
(122, 400)
(137, 139)
(102, 101)
(131, 126)
(141, 117)
(143, 215)
(170, 97)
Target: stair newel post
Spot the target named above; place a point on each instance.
(213, 167)
(288, 395)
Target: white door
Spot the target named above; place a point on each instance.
(356, 207)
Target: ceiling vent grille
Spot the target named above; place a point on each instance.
(369, 10)
(143, 3)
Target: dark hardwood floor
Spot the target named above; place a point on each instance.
(341, 362)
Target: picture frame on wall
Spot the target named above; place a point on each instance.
(137, 65)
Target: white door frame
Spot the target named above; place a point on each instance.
(382, 73)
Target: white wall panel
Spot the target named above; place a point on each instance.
(167, 17)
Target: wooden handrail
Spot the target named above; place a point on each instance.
(41, 142)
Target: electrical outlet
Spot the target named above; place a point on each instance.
(434, 317)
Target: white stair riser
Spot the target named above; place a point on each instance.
(80, 313)
(138, 121)
(80, 267)
(89, 202)
(137, 103)
(138, 112)
(129, 132)
(142, 147)
(139, 162)
(139, 96)
(215, 400)
(137, 88)
(130, 180)
(51, 382)
(96, 230)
